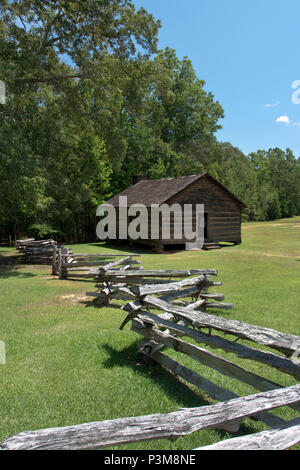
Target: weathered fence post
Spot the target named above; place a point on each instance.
(64, 256)
(59, 263)
(54, 261)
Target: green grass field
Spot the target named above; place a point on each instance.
(67, 362)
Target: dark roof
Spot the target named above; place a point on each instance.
(149, 192)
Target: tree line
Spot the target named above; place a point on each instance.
(90, 102)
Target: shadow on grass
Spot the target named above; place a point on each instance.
(140, 249)
(8, 260)
(13, 271)
(123, 247)
(10, 264)
(168, 382)
(92, 302)
(71, 279)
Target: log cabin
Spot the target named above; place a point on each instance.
(222, 209)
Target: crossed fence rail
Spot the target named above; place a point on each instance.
(170, 309)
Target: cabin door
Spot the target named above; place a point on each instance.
(205, 226)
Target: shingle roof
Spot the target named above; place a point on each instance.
(149, 192)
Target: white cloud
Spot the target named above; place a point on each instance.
(287, 121)
(284, 119)
(272, 105)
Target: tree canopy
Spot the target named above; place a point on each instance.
(90, 102)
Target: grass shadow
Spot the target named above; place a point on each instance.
(168, 382)
(89, 303)
(12, 271)
(71, 279)
(124, 247)
(118, 247)
(9, 260)
(92, 302)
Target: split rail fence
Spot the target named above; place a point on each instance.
(90, 265)
(169, 309)
(132, 284)
(42, 252)
(36, 251)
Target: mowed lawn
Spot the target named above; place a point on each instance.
(67, 362)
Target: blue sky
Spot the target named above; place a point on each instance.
(248, 54)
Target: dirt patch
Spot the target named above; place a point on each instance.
(74, 298)
(36, 267)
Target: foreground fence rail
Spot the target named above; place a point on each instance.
(104, 434)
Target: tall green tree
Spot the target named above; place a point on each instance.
(169, 119)
(62, 63)
(278, 176)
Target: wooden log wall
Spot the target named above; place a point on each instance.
(223, 211)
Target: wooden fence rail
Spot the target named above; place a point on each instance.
(169, 285)
(281, 438)
(41, 252)
(169, 309)
(103, 434)
(167, 306)
(164, 321)
(90, 265)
